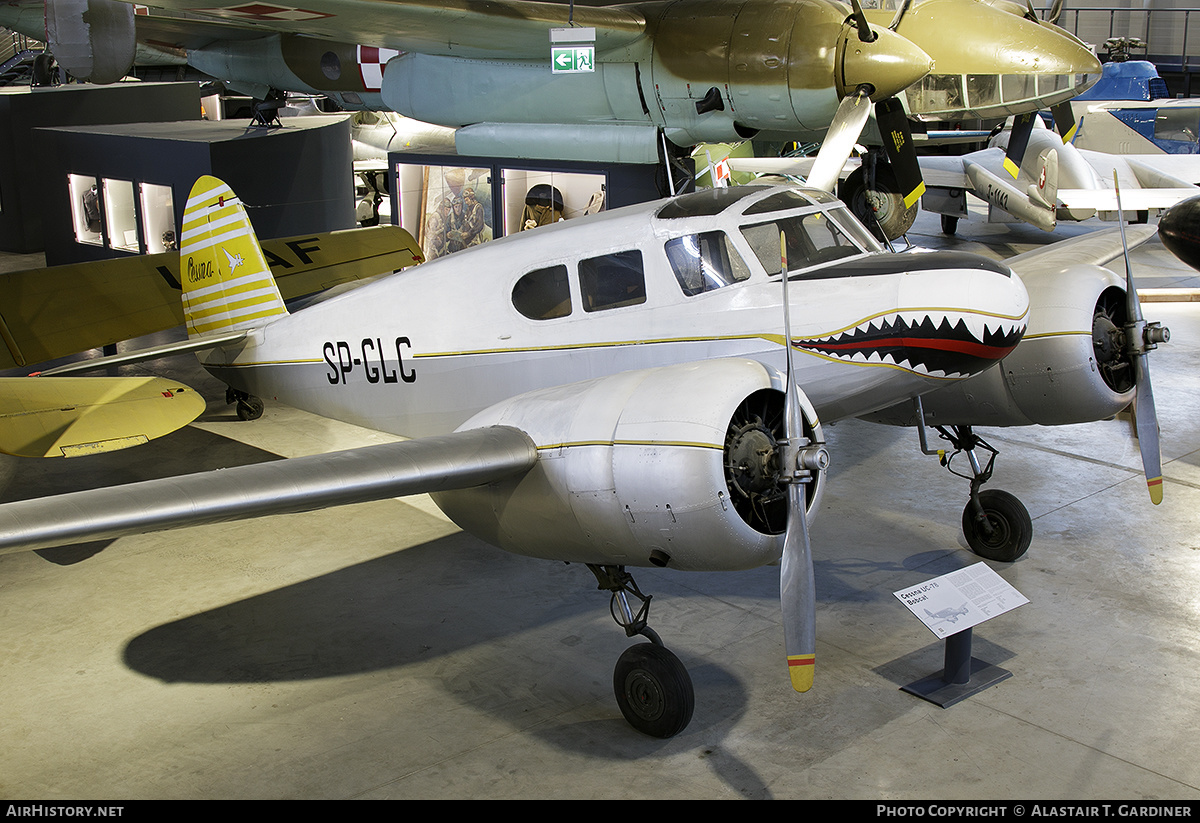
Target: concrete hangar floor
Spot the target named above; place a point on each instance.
(377, 652)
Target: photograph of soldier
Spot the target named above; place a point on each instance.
(457, 210)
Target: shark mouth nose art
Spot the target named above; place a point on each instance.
(942, 344)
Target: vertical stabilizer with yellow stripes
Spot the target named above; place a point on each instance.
(227, 283)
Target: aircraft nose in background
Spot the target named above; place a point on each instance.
(992, 62)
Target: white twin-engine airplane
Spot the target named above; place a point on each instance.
(616, 390)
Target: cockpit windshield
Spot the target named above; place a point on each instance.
(811, 240)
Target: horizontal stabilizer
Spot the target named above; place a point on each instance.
(1132, 199)
(453, 461)
(69, 417)
(208, 341)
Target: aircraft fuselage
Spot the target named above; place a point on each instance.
(636, 288)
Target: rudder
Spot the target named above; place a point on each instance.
(227, 283)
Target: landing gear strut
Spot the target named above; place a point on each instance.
(996, 524)
(249, 407)
(653, 689)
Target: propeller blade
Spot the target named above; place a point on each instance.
(1144, 414)
(797, 590)
(1018, 139)
(797, 595)
(895, 24)
(898, 145)
(1064, 121)
(864, 28)
(847, 125)
(1146, 423)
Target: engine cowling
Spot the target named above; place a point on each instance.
(1069, 367)
(674, 466)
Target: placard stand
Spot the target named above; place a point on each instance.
(962, 677)
(950, 606)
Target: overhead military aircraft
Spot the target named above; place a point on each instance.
(684, 72)
(638, 388)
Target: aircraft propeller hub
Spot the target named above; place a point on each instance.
(888, 64)
(1155, 333)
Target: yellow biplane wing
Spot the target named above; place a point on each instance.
(73, 416)
(62, 310)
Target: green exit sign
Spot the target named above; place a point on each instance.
(572, 59)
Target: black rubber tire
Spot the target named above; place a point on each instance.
(653, 690)
(949, 224)
(251, 408)
(1012, 528)
(891, 217)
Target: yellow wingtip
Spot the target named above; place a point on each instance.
(801, 668)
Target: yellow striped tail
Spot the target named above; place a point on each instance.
(227, 283)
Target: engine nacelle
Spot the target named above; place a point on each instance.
(1068, 368)
(673, 466)
(94, 40)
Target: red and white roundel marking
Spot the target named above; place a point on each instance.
(371, 61)
(266, 11)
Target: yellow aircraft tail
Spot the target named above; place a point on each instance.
(227, 283)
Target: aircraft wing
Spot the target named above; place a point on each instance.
(945, 173)
(454, 461)
(62, 310)
(1132, 199)
(1097, 248)
(69, 417)
(462, 28)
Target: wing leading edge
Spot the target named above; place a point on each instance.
(454, 461)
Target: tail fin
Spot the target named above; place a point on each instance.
(227, 283)
(1042, 175)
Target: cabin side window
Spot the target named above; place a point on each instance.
(812, 239)
(704, 262)
(611, 281)
(543, 294)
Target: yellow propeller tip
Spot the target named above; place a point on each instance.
(801, 667)
(1156, 490)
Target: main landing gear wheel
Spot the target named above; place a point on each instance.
(999, 528)
(880, 208)
(249, 407)
(653, 690)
